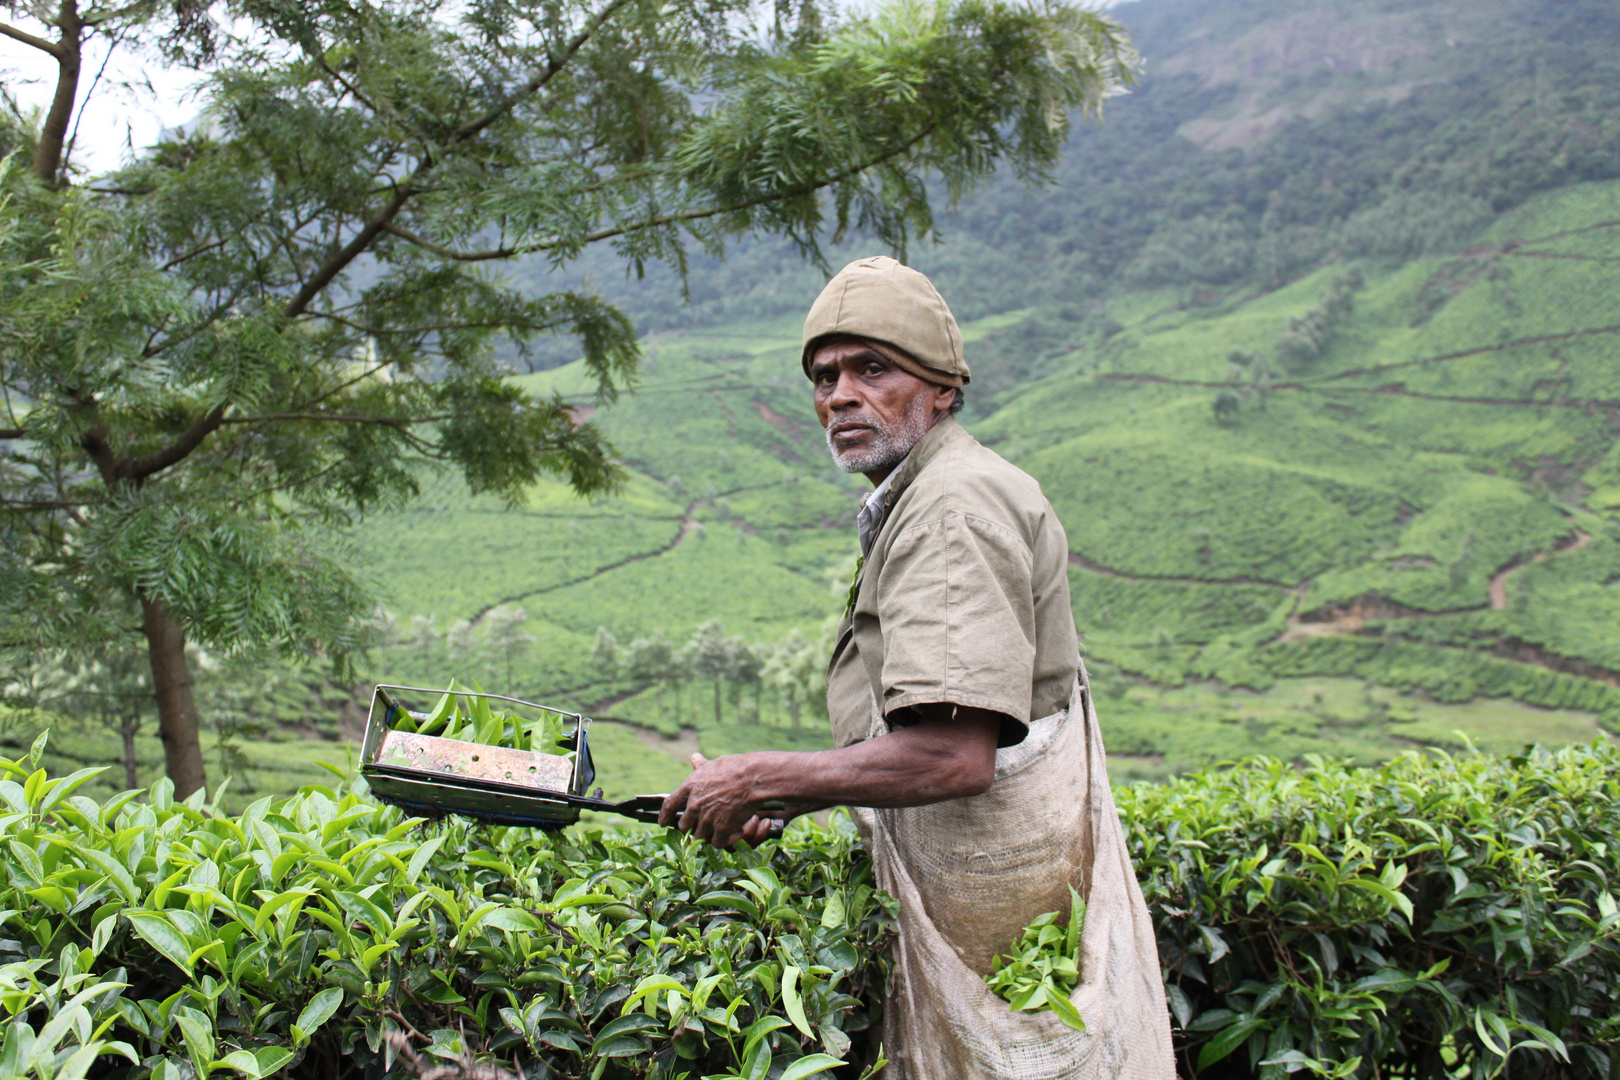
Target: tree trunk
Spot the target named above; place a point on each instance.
(717, 701)
(177, 710)
(128, 728)
(53, 137)
(793, 710)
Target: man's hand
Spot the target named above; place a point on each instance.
(716, 803)
(950, 753)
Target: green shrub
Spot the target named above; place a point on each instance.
(325, 936)
(1428, 917)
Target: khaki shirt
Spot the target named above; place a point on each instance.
(964, 597)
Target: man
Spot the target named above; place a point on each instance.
(959, 714)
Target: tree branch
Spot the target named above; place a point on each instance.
(758, 200)
(341, 418)
(433, 328)
(538, 83)
(39, 504)
(341, 81)
(351, 251)
(13, 433)
(53, 133)
(340, 259)
(147, 464)
(30, 40)
(305, 406)
(192, 254)
(448, 253)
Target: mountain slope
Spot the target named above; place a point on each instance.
(1313, 349)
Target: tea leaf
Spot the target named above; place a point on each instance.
(810, 1066)
(792, 1003)
(162, 936)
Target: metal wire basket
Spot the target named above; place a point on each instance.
(431, 775)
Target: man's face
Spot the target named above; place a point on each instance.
(874, 411)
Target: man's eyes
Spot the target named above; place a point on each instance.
(871, 369)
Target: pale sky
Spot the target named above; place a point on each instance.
(131, 100)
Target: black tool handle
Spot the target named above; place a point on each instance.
(648, 807)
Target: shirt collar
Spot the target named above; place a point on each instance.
(873, 511)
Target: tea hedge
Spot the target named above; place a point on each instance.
(1435, 917)
(326, 936)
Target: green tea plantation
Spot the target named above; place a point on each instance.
(1434, 917)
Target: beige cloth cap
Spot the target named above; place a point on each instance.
(884, 301)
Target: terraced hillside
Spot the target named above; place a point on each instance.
(1412, 529)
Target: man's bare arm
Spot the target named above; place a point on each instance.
(948, 754)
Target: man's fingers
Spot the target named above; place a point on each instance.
(758, 829)
(670, 813)
(698, 761)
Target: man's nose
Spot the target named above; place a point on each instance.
(846, 392)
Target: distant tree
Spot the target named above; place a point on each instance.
(650, 661)
(714, 657)
(1303, 338)
(422, 639)
(1226, 406)
(463, 648)
(235, 695)
(505, 640)
(109, 686)
(1203, 545)
(1458, 571)
(1164, 646)
(796, 670)
(606, 655)
(1249, 374)
(746, 665)
(264, 324)
(1238, 363)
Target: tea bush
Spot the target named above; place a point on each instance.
(1429, 918)
(323, 935)
(1435, 917)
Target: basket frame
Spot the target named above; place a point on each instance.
(432, 793)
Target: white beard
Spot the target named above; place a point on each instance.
(890, 442)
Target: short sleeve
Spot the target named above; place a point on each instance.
(957, 610)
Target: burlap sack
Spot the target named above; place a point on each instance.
(970, 874)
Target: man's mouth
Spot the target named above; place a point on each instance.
(848, 429)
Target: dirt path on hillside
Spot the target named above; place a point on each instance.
(689, 525)
(1399, 389)
(1077, 559)
(1352, 617)
(1498, 590)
